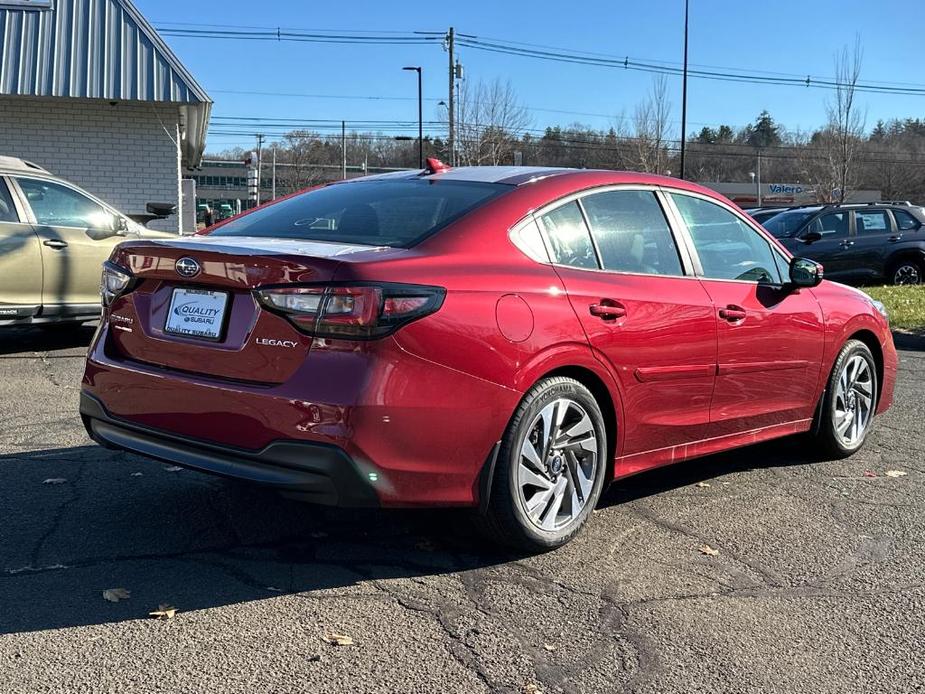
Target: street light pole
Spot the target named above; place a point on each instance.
(420, 116)
(684, 96)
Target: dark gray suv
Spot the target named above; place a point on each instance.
(872, 242)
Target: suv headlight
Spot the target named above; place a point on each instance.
(113, 282)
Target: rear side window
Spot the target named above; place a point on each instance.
(375, 213)
(7, 209)
(875, 222)
(631, 232)
(905, 221)
(568, 237)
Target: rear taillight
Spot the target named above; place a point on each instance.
(114, 281)
(355, 311)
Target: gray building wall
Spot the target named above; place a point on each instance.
(121, 153)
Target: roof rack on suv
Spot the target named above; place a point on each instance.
(17, 164)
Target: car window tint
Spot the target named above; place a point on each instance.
(728, 248)
(872, 222)
(832, 225)
(568, 237)
(905, 221)
(631, 232)
(57, 205)
(378, 213)
(7, 209)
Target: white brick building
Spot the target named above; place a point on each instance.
(89, 91)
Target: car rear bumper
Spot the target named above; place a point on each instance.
(320, 473)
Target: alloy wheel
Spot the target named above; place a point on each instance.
(558, 464)
(907, 274)
(854, 401)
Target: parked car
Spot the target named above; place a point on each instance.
(871, 242)
(763, 214)
(504, 338)
(54, 238)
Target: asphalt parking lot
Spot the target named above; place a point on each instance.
(818, 584)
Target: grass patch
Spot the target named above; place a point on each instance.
(904, 304)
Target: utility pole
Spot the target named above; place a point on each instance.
(758, 179)
(451, 111)
(273, 193)
(417, 68)
(343, 145)
(259, 155)
(684, 97)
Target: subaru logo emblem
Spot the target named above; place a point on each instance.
(187, 267)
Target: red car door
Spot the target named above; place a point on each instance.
(770, 336)
(652, 325)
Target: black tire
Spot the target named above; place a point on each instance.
(825, 436)
(506, 520)
(907, 271)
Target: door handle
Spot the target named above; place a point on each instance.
(732, 313)
(607, 309)
(895, 238)
(846, 244)
(55, 243)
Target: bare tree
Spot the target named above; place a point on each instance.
(491, 120)
(651, 123)
(846, 122)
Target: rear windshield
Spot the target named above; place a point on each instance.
(375, 213)
(786, 224)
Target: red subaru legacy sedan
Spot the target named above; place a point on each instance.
(505, 338)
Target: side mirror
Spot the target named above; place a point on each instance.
(805, 272)
(161, 209)
(811, 237)
(106, 226)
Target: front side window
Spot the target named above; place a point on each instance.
(875, 222)
(631, 232)
(377, 213)
(833, 225)
(7, 210)
(568, 237)
(728, 248)
(905, 221)
(57, 205)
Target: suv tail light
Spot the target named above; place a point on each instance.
(355, 311)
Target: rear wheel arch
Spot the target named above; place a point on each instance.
(594, 383)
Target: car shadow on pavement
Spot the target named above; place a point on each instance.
(45, 338)
(80, 520)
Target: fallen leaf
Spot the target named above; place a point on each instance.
(54, 480)
(549, 647)
(173, 468)
(163, 611)
(530, 688)
(337, 639)
(895, 473)
(116, 594)
(709, 551)
(703, 484)
(869, 473)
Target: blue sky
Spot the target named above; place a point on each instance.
(774, 36)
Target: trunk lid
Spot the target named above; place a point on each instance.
(240, 340)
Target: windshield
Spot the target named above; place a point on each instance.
(786, 224)
(376, 213)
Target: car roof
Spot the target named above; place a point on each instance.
(522, 175)
(17, 165)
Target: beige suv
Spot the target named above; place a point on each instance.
(54, 238)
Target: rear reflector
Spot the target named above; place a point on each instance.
(356, 311)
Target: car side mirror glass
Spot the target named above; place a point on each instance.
(811, 237)
(106, 226)
(805, 272)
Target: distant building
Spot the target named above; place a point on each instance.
(89, 91)
(783, 194)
